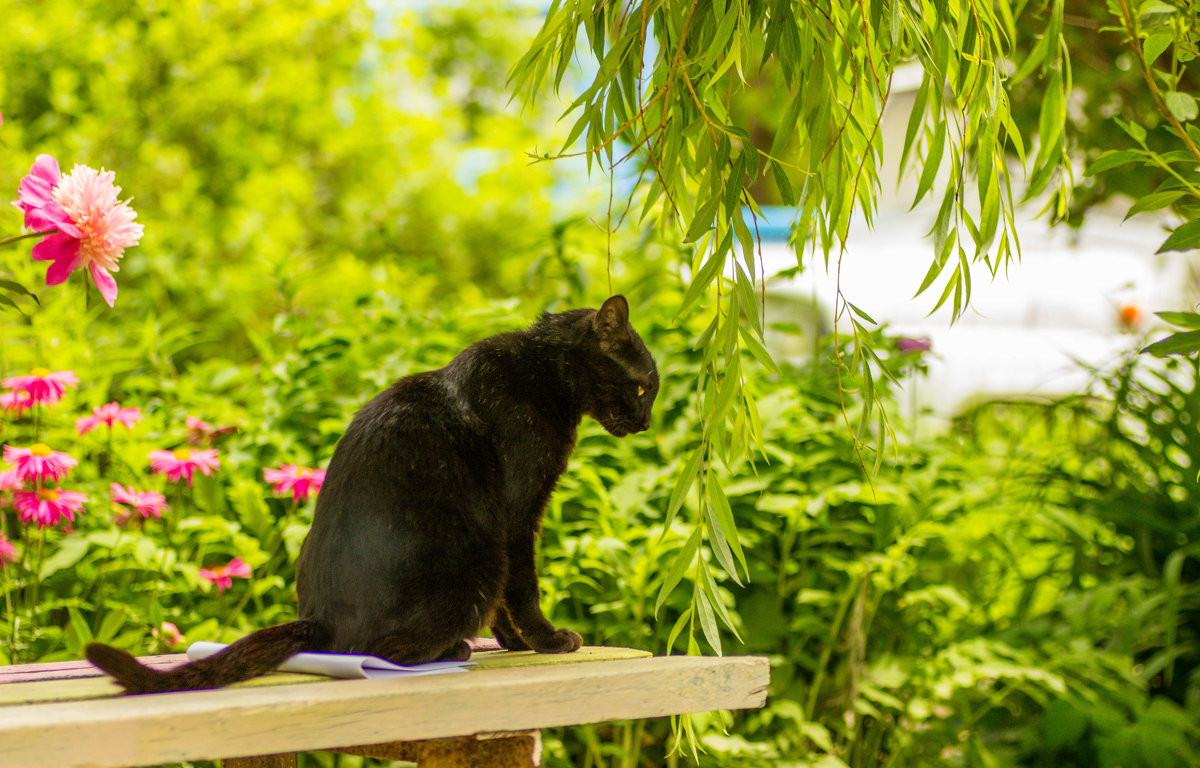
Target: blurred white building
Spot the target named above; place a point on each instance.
(1075, 296)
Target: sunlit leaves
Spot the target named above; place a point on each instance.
(1185, 342)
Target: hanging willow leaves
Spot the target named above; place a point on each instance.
(661, 96)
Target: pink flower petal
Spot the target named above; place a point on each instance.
(43, 177)
(63, 250)
(104, 282)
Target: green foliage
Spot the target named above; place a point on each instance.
(258, 141)
(1181, 343)
(664, 98)
(328, 209)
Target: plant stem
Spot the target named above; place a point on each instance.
(27, 235)
(12, 640)
(36, 578)
(1136, 43)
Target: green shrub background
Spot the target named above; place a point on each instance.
(334, 198)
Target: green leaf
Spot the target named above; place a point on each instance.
(1137, 132)
(708, 621)
(1182, 105)
(683, 560)
(680, 623)
(724, 518)
(1182, 319)
(702, 221)
(783, 184)
(1185, 236)
(708, 272)
(79, 634)
(70, 551)
(1183, 343)
(933, 161)
(1155, 45)
(1114, 158)
(683, 484)
(1154, 201)
(760, 353)
(720, 544)
(12, 286)
(8, 302)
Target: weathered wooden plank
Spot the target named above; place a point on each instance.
(61, 670)
(99, 686)
(82, 689)
(148, 730)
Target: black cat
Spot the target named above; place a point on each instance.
(425, 527)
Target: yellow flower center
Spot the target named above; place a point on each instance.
(40, 449)
(47, 494)
(41, 373)
(183, 454)
(303, 472)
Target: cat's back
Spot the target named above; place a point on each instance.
(418, 426)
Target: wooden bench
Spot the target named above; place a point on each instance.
(67, 714)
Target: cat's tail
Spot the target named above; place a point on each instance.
(255, 654)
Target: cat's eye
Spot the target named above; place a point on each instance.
(641, 390)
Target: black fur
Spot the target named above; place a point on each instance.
(426, 524)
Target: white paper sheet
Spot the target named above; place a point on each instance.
(342, 664)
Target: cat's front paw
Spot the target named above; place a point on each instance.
(560, 641)
(510, 640)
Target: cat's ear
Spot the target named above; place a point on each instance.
(612, 319)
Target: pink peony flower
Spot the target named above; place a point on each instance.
(109, 415)
(8, 552)
(168, 634)
(146, 502)
(15, 402)
(301, 481)
(39, 462)
(182, 463)
(93, 228)
(43, 387)
(46, 506)
(222, 576)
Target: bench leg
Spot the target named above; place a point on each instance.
(518, 750)
(510, 750)
(261, 761)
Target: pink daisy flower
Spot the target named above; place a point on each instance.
(147, 502)
(182, 463)
(8, 552)
(39, 462)
(301, 481)
(46, 506)
(42, 386)
(15, 402)
(222, 576)
(202, 433)
(201, 428)
(168, 634)
(108, 415)
(93, 227)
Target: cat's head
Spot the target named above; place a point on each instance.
(624, 379)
